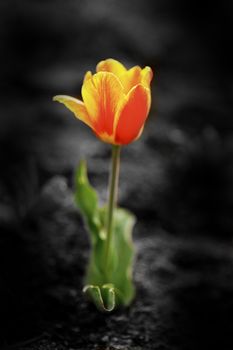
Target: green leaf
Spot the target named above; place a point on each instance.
(85, 196)
(113, 286)
(86, 199)
(103, 297)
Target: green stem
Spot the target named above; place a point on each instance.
(112, 200)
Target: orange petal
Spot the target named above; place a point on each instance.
(146, 76)
(76, 106)
(133, 115)
(101, 96)
(112, 66)
(131, 78)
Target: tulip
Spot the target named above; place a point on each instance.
(116, 101)
(115, 105)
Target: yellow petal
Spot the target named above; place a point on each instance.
(146, 76)
(102, 95)
(133, 115)
(76, 106)
(131, 78)
(87, 76)
(112, 66)
(106, 138)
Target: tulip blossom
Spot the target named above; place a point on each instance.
(116, 101)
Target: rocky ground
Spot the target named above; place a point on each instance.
(182, 275)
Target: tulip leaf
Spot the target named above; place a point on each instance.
(103, 297)
(86, 199)
(107, 286)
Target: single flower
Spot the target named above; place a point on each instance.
(116, 101)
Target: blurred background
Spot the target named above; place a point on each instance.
(177, 179)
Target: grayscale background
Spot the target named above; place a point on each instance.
(177, 179)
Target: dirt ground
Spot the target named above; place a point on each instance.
(183, 279)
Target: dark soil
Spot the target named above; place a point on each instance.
(184, 281)
(177, 179)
